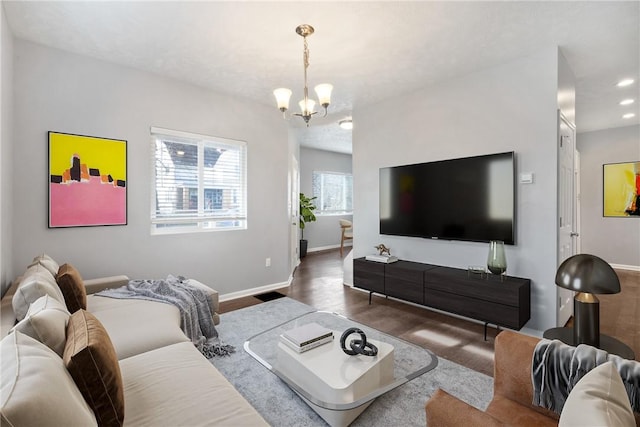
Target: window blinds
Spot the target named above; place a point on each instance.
(199, 181)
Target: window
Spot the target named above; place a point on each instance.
(199, 183)
(334, 192)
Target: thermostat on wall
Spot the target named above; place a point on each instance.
(526, 178)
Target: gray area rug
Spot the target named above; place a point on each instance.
(282, 407)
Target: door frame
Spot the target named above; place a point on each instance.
(564, 308)
(294, 217)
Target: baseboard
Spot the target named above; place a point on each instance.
(532, 332)
(324, 248)
(255, 291)
(625, 267)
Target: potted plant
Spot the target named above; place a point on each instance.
(306, 215)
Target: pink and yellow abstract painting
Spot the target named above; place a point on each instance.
(621, 185)
(87, 181)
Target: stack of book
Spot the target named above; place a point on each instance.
(306, 337)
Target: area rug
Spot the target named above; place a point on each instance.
(280, 406)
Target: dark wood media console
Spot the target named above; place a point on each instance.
(491, 299)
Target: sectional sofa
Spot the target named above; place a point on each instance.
(73, 358)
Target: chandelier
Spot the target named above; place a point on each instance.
(307, 105)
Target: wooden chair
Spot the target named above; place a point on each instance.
(347, 232)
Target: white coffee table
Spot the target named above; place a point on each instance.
(337, 386)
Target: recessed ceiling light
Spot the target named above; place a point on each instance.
(628, 116)
(346, 124)
(625, 82)
(180, 153)
(627, 102)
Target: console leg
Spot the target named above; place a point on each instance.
(485, 330)
(370, 293)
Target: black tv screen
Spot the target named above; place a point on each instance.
(470, 199)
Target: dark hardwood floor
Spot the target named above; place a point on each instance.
(318, 282)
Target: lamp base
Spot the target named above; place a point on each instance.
(586, 318)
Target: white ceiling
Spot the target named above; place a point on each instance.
(369, 51)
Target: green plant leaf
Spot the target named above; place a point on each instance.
(306, 210)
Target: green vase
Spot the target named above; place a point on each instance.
(497, 261)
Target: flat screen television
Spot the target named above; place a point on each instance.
(471, 199)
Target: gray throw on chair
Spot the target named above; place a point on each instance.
(557, 367)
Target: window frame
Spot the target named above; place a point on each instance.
(319, 211)
(200, 220)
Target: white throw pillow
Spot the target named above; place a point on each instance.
(37, 389)
(38, 270)
(46, 321)
(35, 283)
(598, 399)
(47, 262)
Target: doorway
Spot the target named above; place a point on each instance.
(294, 203)
(567, 210)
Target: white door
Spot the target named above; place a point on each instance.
(566, 210)
(577, 247)
(294, 205)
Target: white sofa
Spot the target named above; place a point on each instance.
(165, 380)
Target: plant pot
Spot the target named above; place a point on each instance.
(303, 248)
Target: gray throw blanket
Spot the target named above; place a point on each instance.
(196, 319)
(557, 367)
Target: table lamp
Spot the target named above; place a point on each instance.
(587, 275)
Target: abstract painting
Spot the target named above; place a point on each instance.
(621, 189)
(87, 181)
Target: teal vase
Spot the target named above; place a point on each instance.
(497, 261)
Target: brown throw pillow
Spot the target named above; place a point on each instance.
(72, 287)
(92, 362)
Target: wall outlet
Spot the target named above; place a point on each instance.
(267, 262)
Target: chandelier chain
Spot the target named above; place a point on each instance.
(305, 60)
(306, 54)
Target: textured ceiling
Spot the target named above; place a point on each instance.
(369, 51)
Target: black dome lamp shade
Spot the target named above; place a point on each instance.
(587, 275)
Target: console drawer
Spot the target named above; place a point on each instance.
(489, 289)
(497, 314)
(404, 289)
(368, 275)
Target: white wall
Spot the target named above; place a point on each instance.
(505, 108)
(58, 91)
(6, 141)
(325, 232)
(616, 240)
